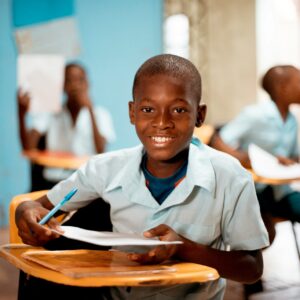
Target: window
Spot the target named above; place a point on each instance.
(176, 35)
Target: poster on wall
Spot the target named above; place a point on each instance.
(42, 77)
(59, 36)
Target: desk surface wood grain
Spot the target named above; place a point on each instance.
(101, 268)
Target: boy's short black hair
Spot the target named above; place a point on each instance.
(275, 75)
(75, 65)
(173, 65)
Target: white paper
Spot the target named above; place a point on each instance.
(59, 36)
(42, 76)
(104, 238)
(266, 165)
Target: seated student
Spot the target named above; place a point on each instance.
(79, 128)
(272, 127)
(172, 187)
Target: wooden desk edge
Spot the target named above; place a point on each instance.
(271, 181)
(55, 160)
(12, 253)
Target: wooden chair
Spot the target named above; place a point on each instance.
(13, 230)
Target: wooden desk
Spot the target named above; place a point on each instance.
(55, 159)
(271, 181)
(103, 268)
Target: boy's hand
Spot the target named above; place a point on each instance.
(27, 217)
(160, 253)
(81, 97)
(285, 161)
(23, 101)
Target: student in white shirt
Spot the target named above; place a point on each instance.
(271, 126)
(170, 187)
(79, 128)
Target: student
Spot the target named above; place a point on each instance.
(172, 187)
(272, 127)
(79, 128)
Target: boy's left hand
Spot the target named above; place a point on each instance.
(285, 161)
(160, 253)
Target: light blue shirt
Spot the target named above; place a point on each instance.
(220, 206)
(262, 124)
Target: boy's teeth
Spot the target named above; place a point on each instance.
(161, 139)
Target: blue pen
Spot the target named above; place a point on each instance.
(57, 207)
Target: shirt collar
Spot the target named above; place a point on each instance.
(271, 110)
(200, 171)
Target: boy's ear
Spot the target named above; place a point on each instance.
(131, 112)
(201, 113)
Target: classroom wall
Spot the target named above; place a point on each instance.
(116, 37)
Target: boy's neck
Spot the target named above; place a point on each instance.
(283, 109)
(164, 169)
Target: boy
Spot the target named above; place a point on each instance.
(79, 128)
(169, 188)
(272, 127)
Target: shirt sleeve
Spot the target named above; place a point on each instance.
(105, 124)
(242, 218)
(236, 130)
(40, 122)
(88, 182)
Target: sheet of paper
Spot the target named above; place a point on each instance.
(59, 36)
(111, 238)
(42, 76)
(266, 165)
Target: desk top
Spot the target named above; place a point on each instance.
(55, 159)
(101, 268)
(271, 181)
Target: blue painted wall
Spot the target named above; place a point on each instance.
(116, 37)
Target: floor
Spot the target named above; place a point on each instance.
(281, 278)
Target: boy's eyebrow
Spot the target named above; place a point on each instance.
(151, 100)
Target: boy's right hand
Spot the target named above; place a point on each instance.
(28, 214)
(23, 101)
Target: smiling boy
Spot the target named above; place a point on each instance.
(171, 186)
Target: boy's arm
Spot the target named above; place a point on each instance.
(29, 138)
(27, 216)
(220, 145)
(242, 266)
(99, 140)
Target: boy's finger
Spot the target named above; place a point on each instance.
(54, 224)
(157, 231)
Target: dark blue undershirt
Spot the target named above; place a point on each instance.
(160, 188)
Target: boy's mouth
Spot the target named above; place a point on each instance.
(161, 139)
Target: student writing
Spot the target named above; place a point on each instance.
(172, 187)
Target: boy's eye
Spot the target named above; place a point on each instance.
(147, 109)
(179, 110)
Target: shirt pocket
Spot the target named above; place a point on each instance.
(202, 234)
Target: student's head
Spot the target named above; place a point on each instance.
(282, 83)
(166, 105)
(75, 80)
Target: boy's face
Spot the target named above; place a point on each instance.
(292, 89)
(75, 81)
(165, 113)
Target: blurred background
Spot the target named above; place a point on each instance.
(232, 43)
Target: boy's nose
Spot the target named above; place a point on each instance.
(162, 120)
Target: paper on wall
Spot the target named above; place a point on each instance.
(42, 76)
